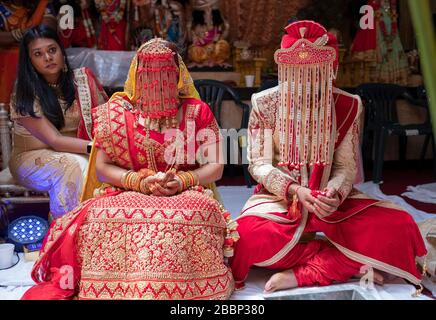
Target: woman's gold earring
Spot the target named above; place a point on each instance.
(65, 68)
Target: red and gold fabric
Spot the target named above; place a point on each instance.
(362, 231)
(16, 18)
(83, 34)
(113, 25)
(381, 45)
(128, 245)
(89, 95)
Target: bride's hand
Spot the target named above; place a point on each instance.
(170, 189)
(169, 176)
(163, 186)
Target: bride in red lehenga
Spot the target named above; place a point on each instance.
(153, 229)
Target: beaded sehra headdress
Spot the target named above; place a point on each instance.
(306, 65)
(157, 84)
(154, 83)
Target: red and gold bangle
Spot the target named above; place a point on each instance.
(124, 179)
(131, 181)
(185, 182)
(136, 181)
(187, 179)
(184, 179)
(195, 180)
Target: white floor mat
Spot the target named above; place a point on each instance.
(373, 190)
(15, 281)
(394, 288)
(423, 193)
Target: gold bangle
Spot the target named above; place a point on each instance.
(182, 177)
(129, 180)
(136, 181)
(187, 179)
(195, 178)
(124, 179)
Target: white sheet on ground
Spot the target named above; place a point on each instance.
(373, 190)
(15, 281)
(422, 193)
(395, 289)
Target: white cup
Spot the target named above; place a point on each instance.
(249, 80)
(6, 255)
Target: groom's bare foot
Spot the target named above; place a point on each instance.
(280, 281)
(378, 277)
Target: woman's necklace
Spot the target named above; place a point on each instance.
(54, 85)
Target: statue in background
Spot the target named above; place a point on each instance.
(113, 24)
(382, 45)
(169, 22)
(83, 34)
(208, 31)
(141, 23)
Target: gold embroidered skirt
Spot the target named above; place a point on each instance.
(134, 246)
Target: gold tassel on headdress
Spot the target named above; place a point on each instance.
(306, 75)
(157, 84)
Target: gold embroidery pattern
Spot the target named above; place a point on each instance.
(210, 289)
(84, 94)
(344, 167)
(41, 268)
(276, 182)
(111, 132)
(215, 128)
(260, 135)
(102, 129)
(144, 145)
(268, 107)
(134, 246)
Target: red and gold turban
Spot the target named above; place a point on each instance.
(307, 62)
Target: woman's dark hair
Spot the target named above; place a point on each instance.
(30, 84)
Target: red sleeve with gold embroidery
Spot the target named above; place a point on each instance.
(112, 132)
(202, 127)
(345, 159)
